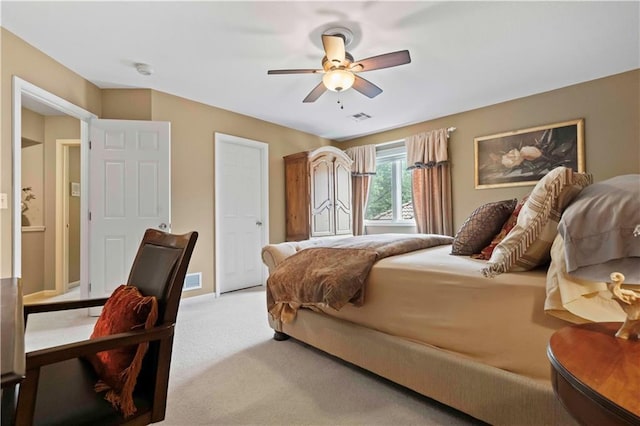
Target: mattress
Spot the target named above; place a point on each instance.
(431, 297)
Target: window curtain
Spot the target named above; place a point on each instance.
(427, 156)
(362, 168)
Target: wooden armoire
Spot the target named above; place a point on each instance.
(318, 194)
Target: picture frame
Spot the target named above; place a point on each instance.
(522, 157)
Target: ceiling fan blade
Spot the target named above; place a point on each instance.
(315, 93)
(366, 87)
(386, 60)
(307, 71)
(334, 49)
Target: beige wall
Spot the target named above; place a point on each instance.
(193, 126)
(32, 126)
(33, 259)
(32, 164)
(74, 215)
(32, 175)
(20, 59)
(126, 104)
(39, 172)
(55, 127)
(610, 107)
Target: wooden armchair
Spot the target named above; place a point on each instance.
(59, 385)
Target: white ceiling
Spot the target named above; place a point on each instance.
(465, 55)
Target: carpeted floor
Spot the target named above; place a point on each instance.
(227, 370)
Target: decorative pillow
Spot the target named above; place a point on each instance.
(481, 226)
(486, 252)
(125, 310)
(529, 242)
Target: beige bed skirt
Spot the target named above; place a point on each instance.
(487, 393)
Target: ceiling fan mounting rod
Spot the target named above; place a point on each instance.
(345, 33)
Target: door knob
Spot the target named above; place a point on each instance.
(162, 226)
(258, 223)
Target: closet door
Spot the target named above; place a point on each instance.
(322, 205)
(342, 192)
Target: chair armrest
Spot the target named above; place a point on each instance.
(38, 358)
(36, 308)
(63, 306)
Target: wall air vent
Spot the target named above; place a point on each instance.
(361, 116)
(192, 281)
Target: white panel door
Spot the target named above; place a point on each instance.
(130, 191)
(241, 210)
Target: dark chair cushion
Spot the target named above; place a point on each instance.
(152, 270)
(60, 405)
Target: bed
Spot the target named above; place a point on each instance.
(469, 333)
(479, 354)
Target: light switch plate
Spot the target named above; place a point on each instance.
(3, 201)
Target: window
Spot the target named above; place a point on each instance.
(390, 190)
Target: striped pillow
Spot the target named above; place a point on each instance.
(529, 242)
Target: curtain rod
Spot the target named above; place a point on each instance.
(380, 145)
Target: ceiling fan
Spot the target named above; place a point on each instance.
(340, 70)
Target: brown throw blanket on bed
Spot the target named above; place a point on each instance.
(333, 272)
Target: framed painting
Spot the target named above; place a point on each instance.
(524, 156)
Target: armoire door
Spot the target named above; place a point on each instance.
(322, 210)
(342, 194)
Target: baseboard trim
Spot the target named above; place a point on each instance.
(38, 295)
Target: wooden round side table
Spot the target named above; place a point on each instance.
(595, 374)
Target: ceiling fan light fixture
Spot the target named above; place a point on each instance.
(338, 80)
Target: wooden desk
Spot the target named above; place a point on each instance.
(12, 332)
(12, 345)
(595, 374)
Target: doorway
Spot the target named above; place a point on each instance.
(50, 215)
(25, 93)
(241, 211)
(68, 183)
